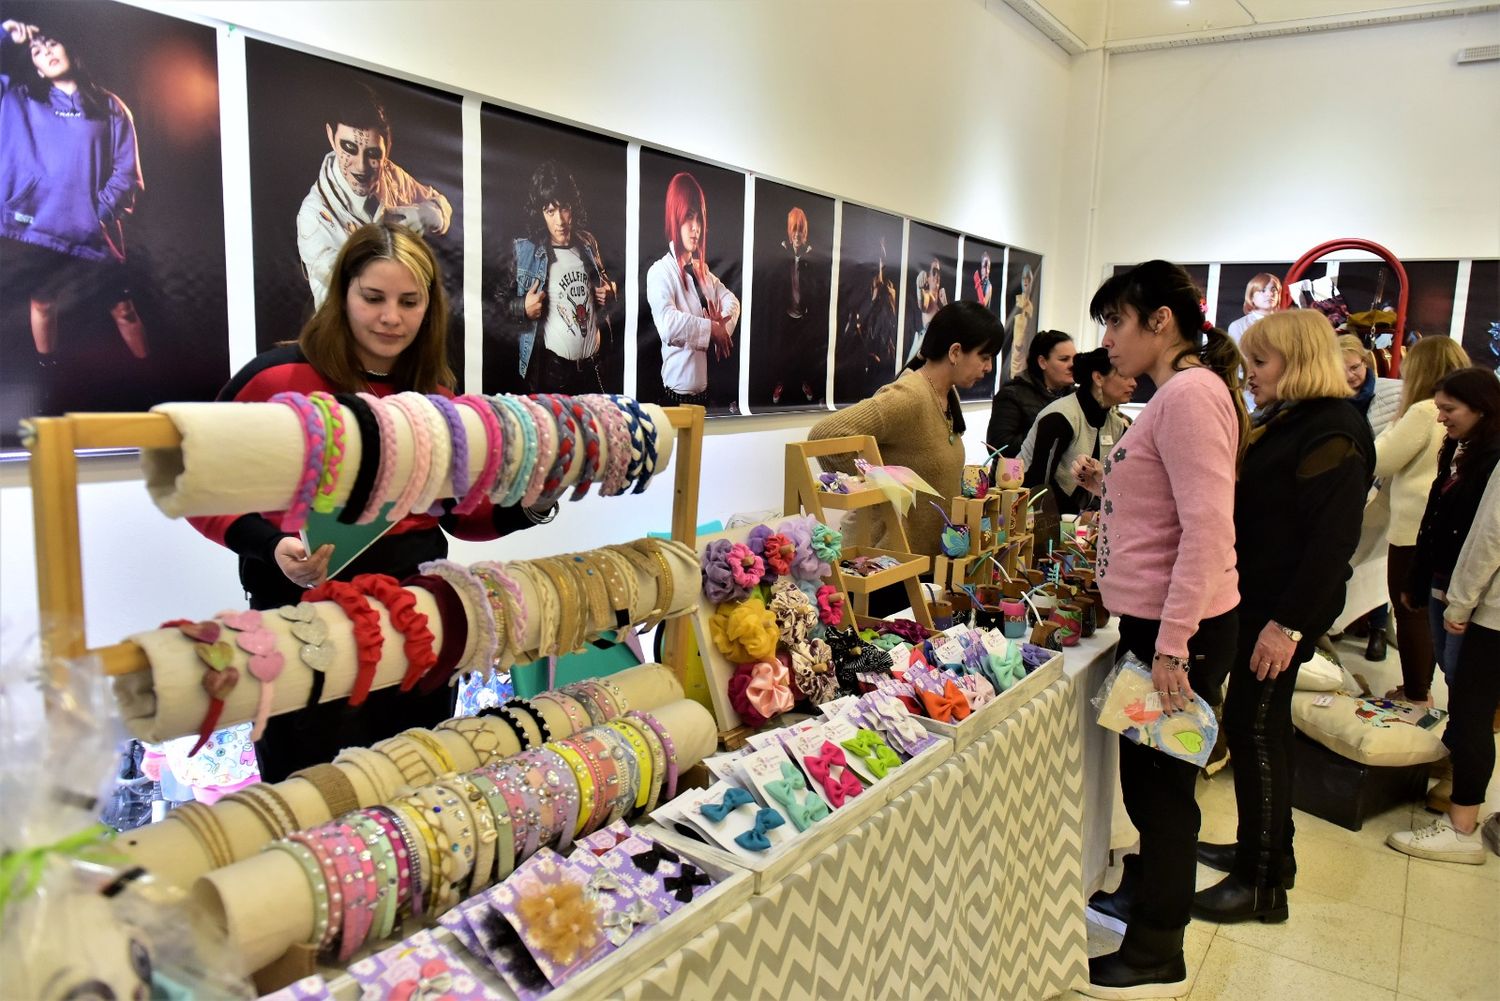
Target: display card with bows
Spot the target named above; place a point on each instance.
(828, 772)
(627, 911)
(887, 716)
(657, 874)
(490, 938)
(547, 901)
(846, 734)
(313, 988)
(758, 769)
(728, 816)
(421, 968)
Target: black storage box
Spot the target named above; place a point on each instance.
(1345, 792)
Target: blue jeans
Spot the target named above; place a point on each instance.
(1445, 645)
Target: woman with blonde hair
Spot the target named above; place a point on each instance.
(1297, 509)
(1406, 456)
(1378, 399)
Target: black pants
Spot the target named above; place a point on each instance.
(1258, 729)
(1471, 714)
(1413, 635)
(1159, 796)
(551, 373)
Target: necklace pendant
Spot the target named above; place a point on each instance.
(950, 437)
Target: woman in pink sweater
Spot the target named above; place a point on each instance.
(1167, 566)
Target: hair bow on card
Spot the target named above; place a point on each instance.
(888, 715)
(605, 880)
(948, 707)
(436, 981)
(791, 792)
(734, 798)
(875, 753)
(821, 767)
(650, 860)
(755, 840)
(978, 689)
(620, 925)
(684, 886)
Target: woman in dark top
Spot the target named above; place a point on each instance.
(1048, 377)
(1086, 422)
(1297, 510)
(1468, 406)
(381, 330)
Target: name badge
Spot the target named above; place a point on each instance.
(1107, 439)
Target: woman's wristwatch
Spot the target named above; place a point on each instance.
(1292, 634)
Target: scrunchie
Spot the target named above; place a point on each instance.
(830, 605)
(756, 540)
(812, 671)
(805, 563)
(746, 568)
(761, 691)
(827, 543)
(778, 551)
(744, 633)
(794, 613)
(719, 583)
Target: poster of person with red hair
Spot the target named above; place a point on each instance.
(789, 310)
(688, 333)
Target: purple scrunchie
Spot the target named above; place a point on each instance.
(910, 630)
(805, 564)
(718, 577)
(756, 540)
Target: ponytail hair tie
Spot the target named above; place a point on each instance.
(1207, 326)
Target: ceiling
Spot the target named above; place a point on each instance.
(1128, 25)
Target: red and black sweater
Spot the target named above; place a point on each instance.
(415, 539)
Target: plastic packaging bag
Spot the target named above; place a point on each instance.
(1129, 704)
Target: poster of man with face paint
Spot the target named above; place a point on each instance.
(359, 184)
(332, 148)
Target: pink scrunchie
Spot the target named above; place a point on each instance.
(760, 691)
(745, 567)
(830, 605)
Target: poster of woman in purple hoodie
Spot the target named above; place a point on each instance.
(112, 270)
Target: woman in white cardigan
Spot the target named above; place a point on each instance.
(1406, 456)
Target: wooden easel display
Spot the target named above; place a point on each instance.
(54, 441)
(803, 494)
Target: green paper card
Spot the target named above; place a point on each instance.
(348, 540)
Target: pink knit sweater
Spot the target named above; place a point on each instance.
(1166, 544)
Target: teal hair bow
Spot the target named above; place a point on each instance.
(734, 798)
(791, 791)
(755, 840)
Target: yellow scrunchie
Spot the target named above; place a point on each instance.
(746, 632)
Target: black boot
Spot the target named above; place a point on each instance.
(1232, 900)
(1149, 964)
(1112, 909)
(1376, 649)
(1221, 859)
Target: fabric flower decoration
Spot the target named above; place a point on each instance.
(795, 615)
(719, 582)
(806, 564)
(756, 540)
(746, 568)
(830, 605)
(744, 633)
(760, 691)
(560, 920)
(827, 543)
(779, 553)
(812, 670)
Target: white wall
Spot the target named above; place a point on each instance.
(938, 109)
(1262, 149)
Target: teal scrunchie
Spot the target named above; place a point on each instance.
(827, 543)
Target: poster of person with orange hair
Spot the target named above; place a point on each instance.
(789, 309)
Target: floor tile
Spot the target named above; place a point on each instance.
(1353, 874)
(1441, 965)
(1370, 836)
(1330, 934)
(1235, 971)
(1452, 896)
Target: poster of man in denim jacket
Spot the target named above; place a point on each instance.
(558, 289)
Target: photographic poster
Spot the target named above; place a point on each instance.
(931, 280)
(793, 274)
(984, 282)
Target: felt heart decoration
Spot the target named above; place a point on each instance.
(218, 684)
(260, 641)
(203, 632)
(313, 631)
(242, 621)
(297, 613)
(266, 667)
(319, 658)
(216, 655)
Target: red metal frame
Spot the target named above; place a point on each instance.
(1369, 246)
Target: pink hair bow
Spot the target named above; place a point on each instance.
(821, 767)
(770, 688)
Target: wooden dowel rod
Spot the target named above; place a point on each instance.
(124, 431)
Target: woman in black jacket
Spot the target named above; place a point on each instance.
(1468, 406)
(1048, 377)
(1297, 515)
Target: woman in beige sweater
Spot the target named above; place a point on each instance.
(1406, 454)
(917, 422)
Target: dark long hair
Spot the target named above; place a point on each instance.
(1148, 287)
(972, 328)
(1041, 347)
(327, 342)
(551, 185)
(94, 100)
(1479, 390)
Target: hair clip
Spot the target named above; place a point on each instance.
(648, 861)
(821, 765)
(620, 925)
(684, 885)
(734, 798)
(755, 840)
(875, 753)
(791, 791)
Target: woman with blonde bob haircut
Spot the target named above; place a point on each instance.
(1378, 399)
(1406, 457)
(1297, 512)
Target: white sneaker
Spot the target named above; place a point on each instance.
(1439, 843)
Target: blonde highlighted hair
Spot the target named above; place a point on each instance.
(1351, 345)
(1305, 340)
(1425, 364)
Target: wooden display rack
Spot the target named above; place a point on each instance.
(54, 441)
(803, 494)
